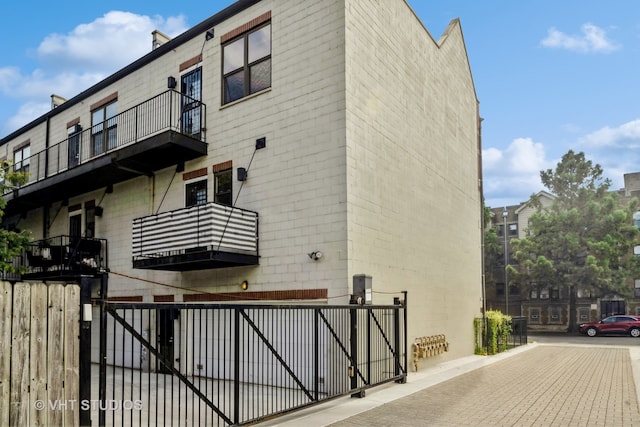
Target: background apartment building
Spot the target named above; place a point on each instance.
(546, 307)
(272, 152)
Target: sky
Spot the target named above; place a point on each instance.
(551, 76)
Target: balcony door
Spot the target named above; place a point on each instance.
(191, 88)
(74, 145)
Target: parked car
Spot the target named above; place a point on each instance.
(620, 324)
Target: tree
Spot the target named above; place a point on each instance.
(12, 242)
(584, 240)
(492, 247)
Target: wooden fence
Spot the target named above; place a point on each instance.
(39, 358)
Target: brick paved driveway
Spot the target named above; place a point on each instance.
(548, 385)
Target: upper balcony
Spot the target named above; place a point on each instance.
(165, 130)
(63, 258)
(195, 238)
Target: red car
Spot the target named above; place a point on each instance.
(619, 324)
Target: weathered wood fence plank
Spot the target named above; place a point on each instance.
(38, 359)
(72, 353)
(6, 299)
(55, 353)
(20, 324)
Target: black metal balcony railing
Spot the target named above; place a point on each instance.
(64, 256)
(163, 131)
(170, 110)
(203, 236)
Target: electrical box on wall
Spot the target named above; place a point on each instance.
(362, 288)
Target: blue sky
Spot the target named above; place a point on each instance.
(550, 75)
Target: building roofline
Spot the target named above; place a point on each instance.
(198, 29)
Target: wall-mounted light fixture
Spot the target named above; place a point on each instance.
(209, 35)
(244, 285)
(171, 82)
(261, 143)
(315, 255)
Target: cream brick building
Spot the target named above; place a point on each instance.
(357, 135)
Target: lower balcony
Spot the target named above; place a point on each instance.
(199, 237)
(64, 258)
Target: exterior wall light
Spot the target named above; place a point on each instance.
(244, 285)
(315, 255)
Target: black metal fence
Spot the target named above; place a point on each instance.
(212, 364)
(518, 335)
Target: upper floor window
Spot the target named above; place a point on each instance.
(246, 65)
(22, 159)
(513, 229)
(196, 193)
(104, 123)
(222, 184)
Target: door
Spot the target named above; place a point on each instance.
(166, 338)
(74, 147)
(191, 87)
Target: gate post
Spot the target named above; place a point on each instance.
(102, 379)
(84, 358)
(353, 371)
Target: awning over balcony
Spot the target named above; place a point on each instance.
(196, 238)
(146, 138)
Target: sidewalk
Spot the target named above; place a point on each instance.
(533, 385)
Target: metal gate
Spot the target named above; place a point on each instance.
(214, 364)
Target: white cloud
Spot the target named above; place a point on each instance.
(110, 42)
(626, 135)
(592, 39)
(69, 63)
(512, 175)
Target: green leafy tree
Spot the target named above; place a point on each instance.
(12, 242)
(492, 246)
(584, 240)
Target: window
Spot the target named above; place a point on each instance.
(500, 230)
(534, 315)
(191, 87)
(73, 138)
(636, 219)
(513, 229)
(499, 289)
(22, 159)
(583, 315)
(544, 293)
(196, 193)
(222, 184)
(104, 128)
(555, 293)
(636, 286)
(246, 66)
(554, 314)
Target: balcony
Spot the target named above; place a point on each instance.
(199, 237)
(163, 131)
(64, 258)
